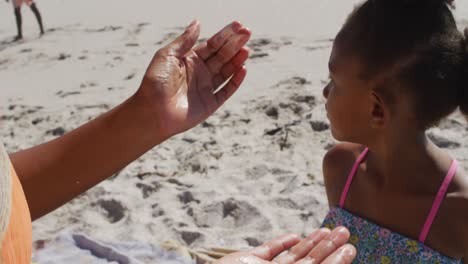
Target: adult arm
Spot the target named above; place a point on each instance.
(178, 91)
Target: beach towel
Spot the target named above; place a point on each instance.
(75, 248)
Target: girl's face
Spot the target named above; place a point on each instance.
(349, 103)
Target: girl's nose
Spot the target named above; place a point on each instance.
(326, 91)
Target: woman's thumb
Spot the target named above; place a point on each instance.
(185, 42)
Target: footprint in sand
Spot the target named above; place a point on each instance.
(284, 203)
(139, 28)
(261, 45)
(63, 56)
(307, 99)
(130, 76)
(320, 44)
(56, 132)
(55, 29)
(4, 61)
(253, 242)
(98, 106)
(449, 123)
(292, 83)
(272, 112)
(319, 47)
(157, 212)
(114, 210)
(329, 146)
(257, 55)
(88, 84)
(37, 121)
(187, 197)
(257, 172)
(132, 44)
(103, 29)
(178, 183)
(148, 190)
(231, 213)
(443, 142)
(62, 94)
(189, 237)
(319, 126)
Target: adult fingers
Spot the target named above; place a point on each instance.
(208, 48)
(230, 87)
(338, 237)
(231, 67)
(300, 250)
(272, 248)
(228, 51)
(344, 255)
(185, 42)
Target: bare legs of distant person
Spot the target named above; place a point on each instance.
(19, 20)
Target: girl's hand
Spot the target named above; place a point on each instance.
(181, 84)
(322, 246)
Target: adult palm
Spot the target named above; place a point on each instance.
(322, 246)
(182, 82)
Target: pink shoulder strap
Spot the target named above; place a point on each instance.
(438, 200)
(351, 176)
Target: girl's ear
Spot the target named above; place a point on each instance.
(378, 111)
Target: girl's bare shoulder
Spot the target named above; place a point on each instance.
(459, 200)
(336, 166)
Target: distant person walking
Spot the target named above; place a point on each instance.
(19, 21)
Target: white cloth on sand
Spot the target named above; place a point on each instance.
(80, 249)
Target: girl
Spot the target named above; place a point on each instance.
(397, 67)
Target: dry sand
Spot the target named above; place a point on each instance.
(250, 172)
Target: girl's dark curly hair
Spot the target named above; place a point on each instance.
(411, 47)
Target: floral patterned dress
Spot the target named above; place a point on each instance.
(378, 245)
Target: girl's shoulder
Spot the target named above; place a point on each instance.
(450, 224)
(341, 157)
(337, 164)
(457, 204)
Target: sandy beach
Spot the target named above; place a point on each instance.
(250, 172)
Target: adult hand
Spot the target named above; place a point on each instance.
(322, 246)
(182, 82)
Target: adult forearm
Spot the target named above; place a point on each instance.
(55, 172)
